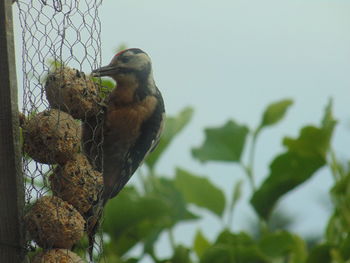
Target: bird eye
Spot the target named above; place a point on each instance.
(124, 59)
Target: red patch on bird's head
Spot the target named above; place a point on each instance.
(120, 52)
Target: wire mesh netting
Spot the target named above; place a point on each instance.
(60, 41)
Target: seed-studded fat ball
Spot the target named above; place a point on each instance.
(77, 183)
(51, 137)
(71, 91)
(57, 256)
(53, 223)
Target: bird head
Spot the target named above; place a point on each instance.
(131, 61)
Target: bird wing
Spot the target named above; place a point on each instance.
(150, 132)
(119, 166)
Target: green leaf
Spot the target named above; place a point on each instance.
(337, 232)
(312, 142)
(54, 64)
(283, 246)
(337, 257)
(227, 254)
(328, 122)
(320, 254)
(217, 254)
(173, 126)
(200, 191)
(201, 244)
(106, 85)
(234, 239)
(151, 239)
(233, 248)
(181, 255)
(275, 112)
(236, 194)
(287, 171)
(166, 190)
(304, 156)
(341, 189)
(130, 260)
(344, 248)
(130, 218)
(336, 228)
(224, 143)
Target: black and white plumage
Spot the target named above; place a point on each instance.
(131, 125)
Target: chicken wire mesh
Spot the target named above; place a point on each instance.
(60, 41)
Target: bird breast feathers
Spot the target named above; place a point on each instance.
(126, 121)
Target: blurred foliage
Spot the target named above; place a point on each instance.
(224, 143)
(140, 215)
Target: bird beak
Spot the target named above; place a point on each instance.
(105, 71)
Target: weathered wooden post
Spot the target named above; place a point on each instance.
(11, 180)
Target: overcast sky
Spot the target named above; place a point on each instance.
(228, 60)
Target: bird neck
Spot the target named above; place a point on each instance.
(124, 93)
(130, 89)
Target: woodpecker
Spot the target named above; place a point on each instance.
(132, 122)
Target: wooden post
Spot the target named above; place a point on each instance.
(11, 180)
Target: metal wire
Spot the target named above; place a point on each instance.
(54, 33)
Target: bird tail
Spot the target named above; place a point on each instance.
(93, 220)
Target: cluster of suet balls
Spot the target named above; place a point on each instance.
(54, 136)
